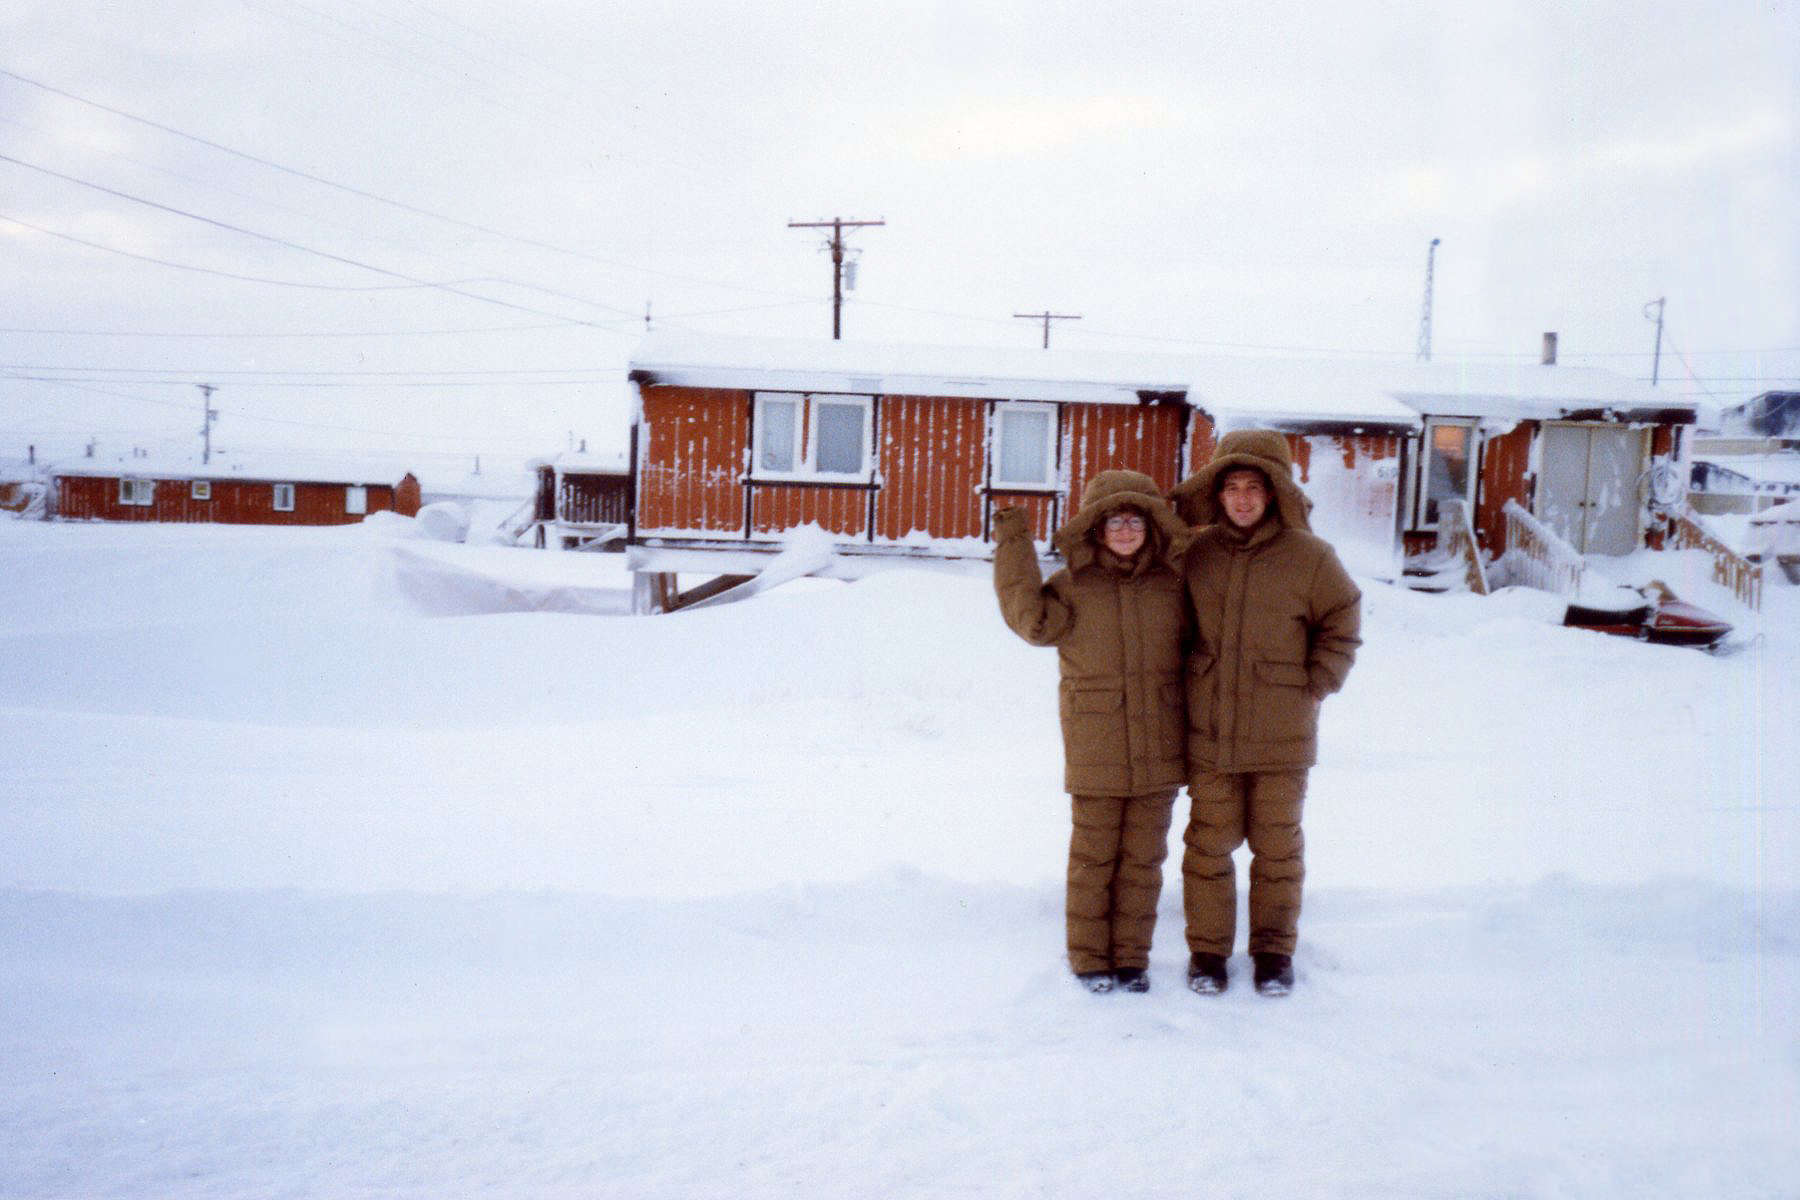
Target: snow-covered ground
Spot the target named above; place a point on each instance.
(311, 887)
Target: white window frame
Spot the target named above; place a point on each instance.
(200, 489)
(135, 492)
(284, 490)
(1422, 475)
(356, 500)
(1005, 408)
(805, 412)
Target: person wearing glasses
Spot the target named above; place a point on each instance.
(1117, 615)
(1277, 624)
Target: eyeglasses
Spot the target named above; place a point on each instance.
(1114, 524)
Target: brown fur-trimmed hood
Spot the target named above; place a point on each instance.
(1196, 497)
(1167, 538)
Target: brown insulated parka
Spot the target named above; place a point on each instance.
(1119, 631)
(1278, 618)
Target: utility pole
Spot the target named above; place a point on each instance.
(1046, 318)
(837, 225)
(1656, 362)
(206, 391)
(1425, 317)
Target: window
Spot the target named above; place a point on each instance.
(201, 489)
(136, 492)
(284, 497)
(356, 501)
(1447, 467)
(777, 434)
(812, 435)
(1025, 445)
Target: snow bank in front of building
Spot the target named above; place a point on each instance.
(302, 889)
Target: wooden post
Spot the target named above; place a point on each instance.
(652, 592)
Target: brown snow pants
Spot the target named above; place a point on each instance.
(1263, 806)
(1116, 853)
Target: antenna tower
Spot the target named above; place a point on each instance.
(1425, 314)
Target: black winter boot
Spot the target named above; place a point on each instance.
(1096, 982)
(1274, 974)
(1132, 979)
(1206, 974)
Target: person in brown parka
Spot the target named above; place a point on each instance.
(1278, 621)
(1117, 616)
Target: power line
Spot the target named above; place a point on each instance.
(369, 41)
(193, 378)
(353, 371)
(1790, 377)
(62, 139)
(355, 333)
(245, 416)
(378, 199)
(488, 38)
(163, 262)
(375, 333)
(325, 254)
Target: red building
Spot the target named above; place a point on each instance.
(904, 452)
(229, 492)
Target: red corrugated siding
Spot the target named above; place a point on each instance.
(594, 499)
(1102, 437)
(692, 459)
(1042, 507)
(840, 510)
(932, 457)
(1504, 463)
(233, 502)
(1202, 438)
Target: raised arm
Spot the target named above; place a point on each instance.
(1034, 610)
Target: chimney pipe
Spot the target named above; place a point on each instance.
(1549, 349)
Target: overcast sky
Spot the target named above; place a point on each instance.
(431, 228)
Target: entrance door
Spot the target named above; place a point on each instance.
(1589, 487)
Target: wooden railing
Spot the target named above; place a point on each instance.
(1537, 557)
(1730, 569)
(1456, 541)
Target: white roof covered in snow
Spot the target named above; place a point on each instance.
(1233, 390)
(255, 468)
(1527, 391)
(586, 462)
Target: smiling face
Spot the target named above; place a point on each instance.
(1244, 496)
(1123, 531)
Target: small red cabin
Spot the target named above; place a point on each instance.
(905, 452)
(228, 492)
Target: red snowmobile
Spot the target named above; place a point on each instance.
(1658, 616)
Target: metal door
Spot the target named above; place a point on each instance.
(1588, 490)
